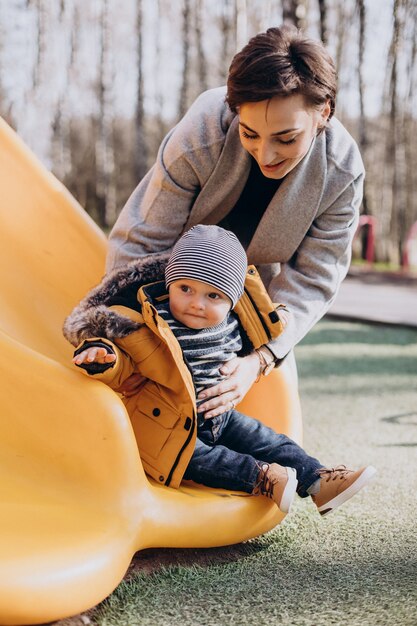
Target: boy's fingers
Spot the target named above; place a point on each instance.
(99, 355)
(80, 358)
(92, 354)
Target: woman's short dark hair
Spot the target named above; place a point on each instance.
(282, 62)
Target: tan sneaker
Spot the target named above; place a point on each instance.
(338, 484)
(278, 483)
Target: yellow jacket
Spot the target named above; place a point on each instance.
(121, 313)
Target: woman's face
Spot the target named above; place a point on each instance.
(278, 132)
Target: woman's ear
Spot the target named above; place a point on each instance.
(325, 113)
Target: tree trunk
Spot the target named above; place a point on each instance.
(140, 146)
(295, 12)
(158, 69)
(5, 107)
(186, 53)
(201, 57)
(396, 210)
(105, 187)
(241, 24)
(410, 130)
(226, 27)
(362, 139)
(41, 15)
(323, 21)
(61, 125)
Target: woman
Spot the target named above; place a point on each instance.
(266, 159)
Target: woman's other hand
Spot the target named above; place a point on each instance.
(241, 373)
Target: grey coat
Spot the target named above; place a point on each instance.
(302, 245)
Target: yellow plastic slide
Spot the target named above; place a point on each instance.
(75, 504)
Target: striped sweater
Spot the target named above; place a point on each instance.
(205, 350)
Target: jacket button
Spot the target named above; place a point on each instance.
(161, 478)
(156, 412)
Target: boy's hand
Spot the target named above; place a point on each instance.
(131, 385)
(242, 373)
(94, 355)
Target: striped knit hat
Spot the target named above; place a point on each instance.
(210, 254)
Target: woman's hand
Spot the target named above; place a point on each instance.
(94, 355)
(241, 373)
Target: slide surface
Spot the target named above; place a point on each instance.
(75, 504)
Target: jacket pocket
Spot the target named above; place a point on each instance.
(154, 419)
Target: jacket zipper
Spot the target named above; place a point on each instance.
(190, 434)
(185, 445)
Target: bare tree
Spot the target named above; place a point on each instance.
(86, 151)
(340, 33)
(41, 49)
(201, 57)
(241, 23)
(104, 151)
(363, 136)
(140, 149)
(295, 12)
(186, 54)
(266, 14)
(61, 124)
(410, 125)
(323, 21)
(158, 95)
(227, 29)
(361, 83)
(5, 108)
(394, 207)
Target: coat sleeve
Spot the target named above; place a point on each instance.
(158, 209)
(113, 374)
(309, 282)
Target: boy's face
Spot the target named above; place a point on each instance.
(196, 304)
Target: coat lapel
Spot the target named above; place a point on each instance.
(226, 182)
(289, 214)
(292, 209)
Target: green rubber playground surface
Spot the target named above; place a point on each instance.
(356, 567)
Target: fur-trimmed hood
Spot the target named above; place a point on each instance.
(92, 317)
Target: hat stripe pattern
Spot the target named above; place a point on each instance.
(210, 254)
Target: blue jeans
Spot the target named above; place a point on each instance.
(230, 448)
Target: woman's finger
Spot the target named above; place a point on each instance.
(234, 388)
(226, 403)
(218, 395)
(230, 367)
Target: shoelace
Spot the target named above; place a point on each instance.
(265, 486)
(340, 471)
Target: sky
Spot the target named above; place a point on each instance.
(33, 105)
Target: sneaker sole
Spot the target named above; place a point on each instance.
(359, 483)
(289, 491)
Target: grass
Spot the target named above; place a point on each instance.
(384, 267)
(355, 567)
(381, 266)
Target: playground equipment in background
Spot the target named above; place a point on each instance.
(409, 260)
(75, 504)
(409, 257)
(369, 222)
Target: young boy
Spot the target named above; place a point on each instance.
(199, 327)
